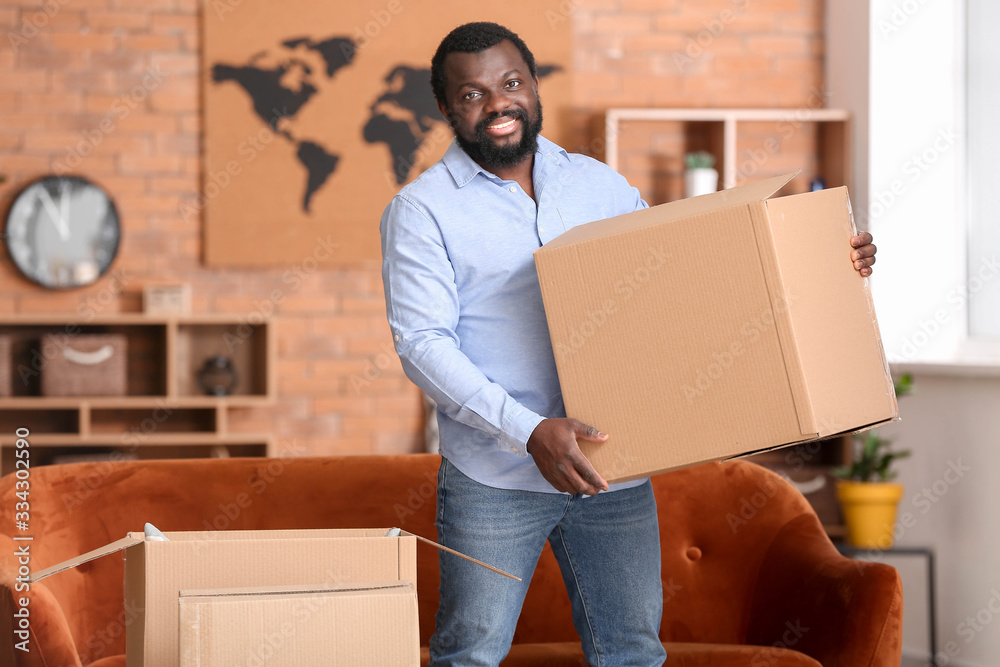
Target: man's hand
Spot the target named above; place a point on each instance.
(553, 446)
(863, 254)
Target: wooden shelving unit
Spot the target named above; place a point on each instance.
(747, 143)
(164, 412)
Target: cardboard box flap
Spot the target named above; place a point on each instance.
(831, 312)
(117, 545)
(675, 210)
(280, 534)
(375, 587)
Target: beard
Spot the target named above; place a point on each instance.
(493, 156)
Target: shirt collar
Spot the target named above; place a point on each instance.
(463, 168)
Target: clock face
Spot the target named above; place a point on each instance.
(63, 231)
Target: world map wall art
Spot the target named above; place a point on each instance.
(316, 113)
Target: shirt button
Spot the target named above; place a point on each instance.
(513, 188)
(396, 337)
(541, 230)
(514, 449)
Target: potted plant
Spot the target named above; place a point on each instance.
(868, 497)
(700, 178)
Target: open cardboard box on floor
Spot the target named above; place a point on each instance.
(157, 571)
(714, 327)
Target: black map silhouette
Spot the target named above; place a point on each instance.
(281, 81)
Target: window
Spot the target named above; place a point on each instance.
(983, 167)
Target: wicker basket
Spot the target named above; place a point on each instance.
(88, 365)
(6, 364)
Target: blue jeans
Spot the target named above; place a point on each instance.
(607, 546)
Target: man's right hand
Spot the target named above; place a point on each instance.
(553, 446)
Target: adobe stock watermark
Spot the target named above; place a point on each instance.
(120, 109)
(898, 17)
(294, 278)
(913, 169)
(923, 502)
(697, 45)
(562, 13)
(218, 180)
(968, 629)
(771, 655)
(257, 484)
(42, 355)
(725, 358)
(32, 23)
(753, 159)
(627, 285)
(957, 298)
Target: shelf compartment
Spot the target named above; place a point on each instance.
(40, 421)
(245, 345)
(110, 451)
(146, 366)
(137, 424)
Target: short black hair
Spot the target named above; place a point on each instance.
(473, 38)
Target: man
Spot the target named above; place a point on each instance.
(466, 314)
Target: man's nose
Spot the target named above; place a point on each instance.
(497, 102)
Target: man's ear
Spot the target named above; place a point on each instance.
(443, 108)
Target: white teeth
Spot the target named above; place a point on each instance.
(502, 125)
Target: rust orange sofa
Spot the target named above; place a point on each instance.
(750, 578)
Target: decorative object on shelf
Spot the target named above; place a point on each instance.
(63, 231)
(85, 365)
(217, 376)
(817, 184)
(5, 365)
(869, 499)
(173, 299)
(700, 178)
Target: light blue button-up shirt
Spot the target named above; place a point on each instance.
(464, 304)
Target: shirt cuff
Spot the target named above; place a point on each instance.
(516, 431)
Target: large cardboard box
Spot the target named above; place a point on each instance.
(348, 625)
(157, 571)
(713, 327)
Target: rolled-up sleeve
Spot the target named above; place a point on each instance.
(422, 304)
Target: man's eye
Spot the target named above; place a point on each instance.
(470, 96)
(513, 84)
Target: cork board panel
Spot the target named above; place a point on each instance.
(316, 113)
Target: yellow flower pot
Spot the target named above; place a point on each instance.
(870, 512)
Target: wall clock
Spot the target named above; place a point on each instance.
(63, 231)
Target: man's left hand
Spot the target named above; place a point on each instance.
(863, 254)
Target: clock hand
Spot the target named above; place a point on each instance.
(55, 215)
(63, 210)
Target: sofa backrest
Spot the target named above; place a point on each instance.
(716, 522)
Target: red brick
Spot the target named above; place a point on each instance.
(777, 45)
(164, 101)
(106, 21)
(10, 142)
(174, 23)
(88, 82)
(149, 164)
(25, 80)
(146, 5)
(74, 41)
(164, 43)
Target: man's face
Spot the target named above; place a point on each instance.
(492, 105)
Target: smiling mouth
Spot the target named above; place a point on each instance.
(503, 127)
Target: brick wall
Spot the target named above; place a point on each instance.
(69, 67)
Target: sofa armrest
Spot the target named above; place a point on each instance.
(50, 642)
(840, 611)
